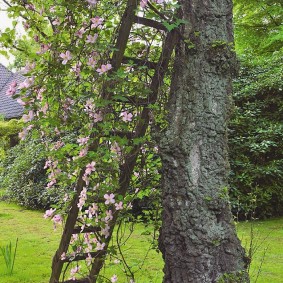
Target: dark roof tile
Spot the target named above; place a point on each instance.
(9, 107)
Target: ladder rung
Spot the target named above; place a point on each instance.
(80, 257)
(73, 226)
(135, 101)
(82, 280)
(140, 62)
(86, 229)
(149, 23)
(122, 134)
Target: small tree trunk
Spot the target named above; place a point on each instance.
(198, 238)
(14, 140)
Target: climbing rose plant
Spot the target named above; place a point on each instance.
(77, 102)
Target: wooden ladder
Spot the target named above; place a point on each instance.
(71, 227)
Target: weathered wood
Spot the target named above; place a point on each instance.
(140, 62)
(82, 280)
(123, 35)
(78, 257)
(149, 23)
(126, 169)
(57, 263)
(86, 229)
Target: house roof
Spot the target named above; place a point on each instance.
(9, 107)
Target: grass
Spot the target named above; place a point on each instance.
(267, 248)
(38, 242)
(36, 245)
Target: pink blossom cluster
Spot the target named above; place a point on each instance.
(56, 219)
(90, 167)
(97, 116)
(92, 211)
(57, 145)
(43, 49)
(96, 22)
(67, 56)
(56, 22)
(28, 117)
(126, 117)
(91, 2)
(91, 38)
(23, 85)
(83, 141)
(25, 131)
(68, 104)
(12, 89)
(79, 33)
(109, 198)
(89, 108)
(49, 213)
(52, 165)
(104, 68)
(82, 198)
(91, 62)
(87, 244)
(74, 271)
(76, 69)
(114, 278)
(28, 67)
(116, 148)
(80, 74)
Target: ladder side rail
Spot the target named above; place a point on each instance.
(126, 169)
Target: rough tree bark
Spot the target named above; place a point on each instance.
(198, 238)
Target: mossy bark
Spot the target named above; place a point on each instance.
(198, 238)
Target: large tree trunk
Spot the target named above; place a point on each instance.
(198, 238)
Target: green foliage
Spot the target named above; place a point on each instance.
(146, 186)
(238, 277)
(8, 129)
(36, 239)
(11, 127)
(24, 178)
(258, 26)
(256, 139)
(256, 127)
(9, 256)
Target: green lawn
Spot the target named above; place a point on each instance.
(38, 242)
(268, 249)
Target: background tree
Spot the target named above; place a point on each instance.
(255, 139)
(198, 238)
(258, 27)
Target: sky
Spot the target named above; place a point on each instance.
(4, 23)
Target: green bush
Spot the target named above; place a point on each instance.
(8, 133)
(24, 178)
(256, 140)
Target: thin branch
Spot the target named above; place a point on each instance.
(7, 3)
(154, 9)
(27, 19)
